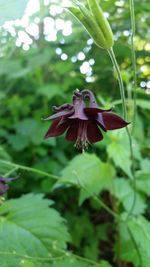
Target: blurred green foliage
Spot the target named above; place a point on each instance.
(33, 78)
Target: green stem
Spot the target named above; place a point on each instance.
(133, 56)
(64, 255)
(10, 172)
(121, 86)
(100, 202)
(29, 169)
(133, 173)
(83, 259)
(18, 255)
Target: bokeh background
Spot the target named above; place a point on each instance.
(45, 54)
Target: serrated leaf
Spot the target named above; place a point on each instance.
(29, 220)
(88, 172)
(140, 229)
(118, 150)
(15, 240)
(125, 194)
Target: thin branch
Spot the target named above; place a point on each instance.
(10, 172)
(64, 255)
(121, 86)
(44, 259)
(100, 202)
(29, 169)
(133, 56)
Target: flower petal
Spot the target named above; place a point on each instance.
(94, 111)
(79, 106)
(57, 129)
(3, 188)
(89, 95)
(93, 133)
(100, 121)
(65, 113)
(65, 106)
(72, 132)
(112, 121)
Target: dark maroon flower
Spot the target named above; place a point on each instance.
(4, 184)
(81, 122)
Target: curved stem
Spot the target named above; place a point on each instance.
(121, 86)
(114, 61)
(64, 255)
(29, 169)
(100, 202)
(44, 259)
(78, 257)
(133, 55)
(133, 173)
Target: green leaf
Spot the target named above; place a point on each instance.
(125, 194)
(28, 131)
(144, 104)
(71, 261)
(138, 131)
(29, 220)
(50, 90)
(140, 229)
(4, 156)
(15, 240)
(27, 127)
(39, 59)
(18, 142)
(128, 250)
(145, 163)
(143, 182)
(10, 10)
(89, 173)
(26, 263)
(104, 264)
(118, 151)
(12, 68)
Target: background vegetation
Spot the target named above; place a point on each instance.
(54, 213)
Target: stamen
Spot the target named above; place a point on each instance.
(82, 140)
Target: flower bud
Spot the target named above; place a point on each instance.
(94, 22)
(102, 22)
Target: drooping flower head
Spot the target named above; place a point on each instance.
(83, 120)
(4, 184)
